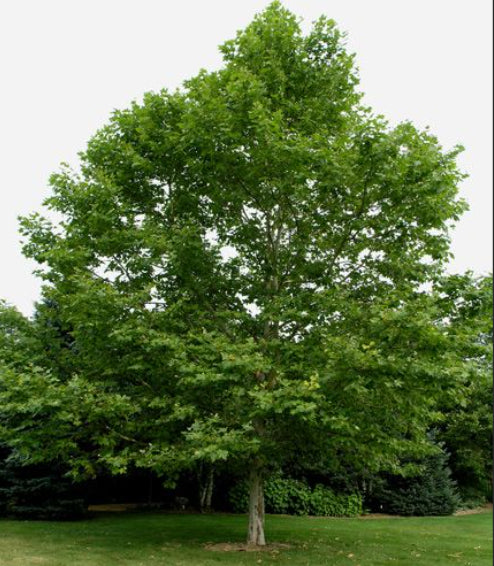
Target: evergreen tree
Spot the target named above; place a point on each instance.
(431, 492)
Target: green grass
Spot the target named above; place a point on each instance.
(153, 539)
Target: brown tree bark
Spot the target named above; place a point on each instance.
(256, 508)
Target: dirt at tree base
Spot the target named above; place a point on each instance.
(245, 547)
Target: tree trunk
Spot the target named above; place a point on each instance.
(256, 509)
(209, 488)
(205, 477)
(150, 487)
(202, 491)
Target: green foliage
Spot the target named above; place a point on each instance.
(467, 432)
(431, 492)
(325, 502)
(465, 426)
(45, 420)
(59, 352)
(295, 497)
(287, 496)
(19, 344)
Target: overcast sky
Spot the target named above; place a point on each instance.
(66, 65)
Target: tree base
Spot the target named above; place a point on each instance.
(246, 547)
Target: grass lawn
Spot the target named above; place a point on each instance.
(154, 539)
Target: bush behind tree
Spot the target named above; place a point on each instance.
(431, 492)
(39, 492)
(296, 497)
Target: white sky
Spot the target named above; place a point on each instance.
(66, 65)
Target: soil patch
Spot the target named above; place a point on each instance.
(483, 509)
(378, 516)
(114, 507)
(244, 547)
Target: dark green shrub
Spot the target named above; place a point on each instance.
(287, 496)
(473, 497)
(327, 503)
(238, 497)
(38, 492)
(432, 492)
(295, 497)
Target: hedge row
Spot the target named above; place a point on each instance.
(295, 497)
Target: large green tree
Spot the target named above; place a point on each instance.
(240, 265)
